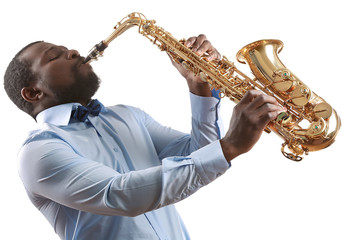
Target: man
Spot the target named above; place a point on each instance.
(100, 172)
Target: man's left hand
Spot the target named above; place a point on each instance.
(200, 45)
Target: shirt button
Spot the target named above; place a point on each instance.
(116, 149)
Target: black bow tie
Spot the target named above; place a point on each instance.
(81, 113)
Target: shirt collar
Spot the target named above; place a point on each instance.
(58, 115)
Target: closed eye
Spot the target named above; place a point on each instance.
(52, 58)
(55, 53)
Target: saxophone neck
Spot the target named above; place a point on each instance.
(133, 19)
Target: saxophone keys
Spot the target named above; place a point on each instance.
(285, 119)
(186, 65)
(222, 93)
(204, 77)
(283, 86)
(301, 96)
(295, 153)
(267, 129)
(315, 129)
(283, 80)
(323, 110)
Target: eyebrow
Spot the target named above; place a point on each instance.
(49, 49)
(53, 47)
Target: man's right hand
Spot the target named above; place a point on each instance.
(250, 117)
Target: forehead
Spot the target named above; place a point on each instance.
(35, 52)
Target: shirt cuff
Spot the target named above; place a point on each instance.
(210, 162)
(204, 109)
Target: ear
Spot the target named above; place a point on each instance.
(31, 94)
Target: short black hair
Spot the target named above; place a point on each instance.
(17, 76)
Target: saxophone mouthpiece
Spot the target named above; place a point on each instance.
(87, 60)
(95, 52)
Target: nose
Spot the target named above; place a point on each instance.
(71, 54)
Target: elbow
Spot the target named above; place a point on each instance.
(127, 210)
(133, 194)
(120, 203)
(133, 213)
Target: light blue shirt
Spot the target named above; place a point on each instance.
(117, 175)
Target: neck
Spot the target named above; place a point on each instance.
(85, 103)
(48, 104)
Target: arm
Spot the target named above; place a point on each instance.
(52, 170)
(206, 122)
(206, 128)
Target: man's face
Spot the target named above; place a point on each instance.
(61, 73)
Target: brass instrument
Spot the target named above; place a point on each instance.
(310, 123)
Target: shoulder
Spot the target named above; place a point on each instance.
(46, 132)
(122, 108)
(127, 112)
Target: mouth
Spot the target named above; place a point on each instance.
(87, 59)
(81, 61)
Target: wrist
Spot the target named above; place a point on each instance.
(230, 152)
(199, 88)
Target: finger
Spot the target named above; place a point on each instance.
(204, 47)
(262, 99)
(190, 42)
(267, 108)
(268, 116)
(213, 54)
(198, 42)
(268, 112)
(207, 47)
(200, 45)
(172, 59)
(249, 96)
(177, 65)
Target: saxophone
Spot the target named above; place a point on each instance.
(310, 123)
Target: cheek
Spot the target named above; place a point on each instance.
(58, 76)
(83, 71)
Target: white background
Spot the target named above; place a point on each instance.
(263, 195)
